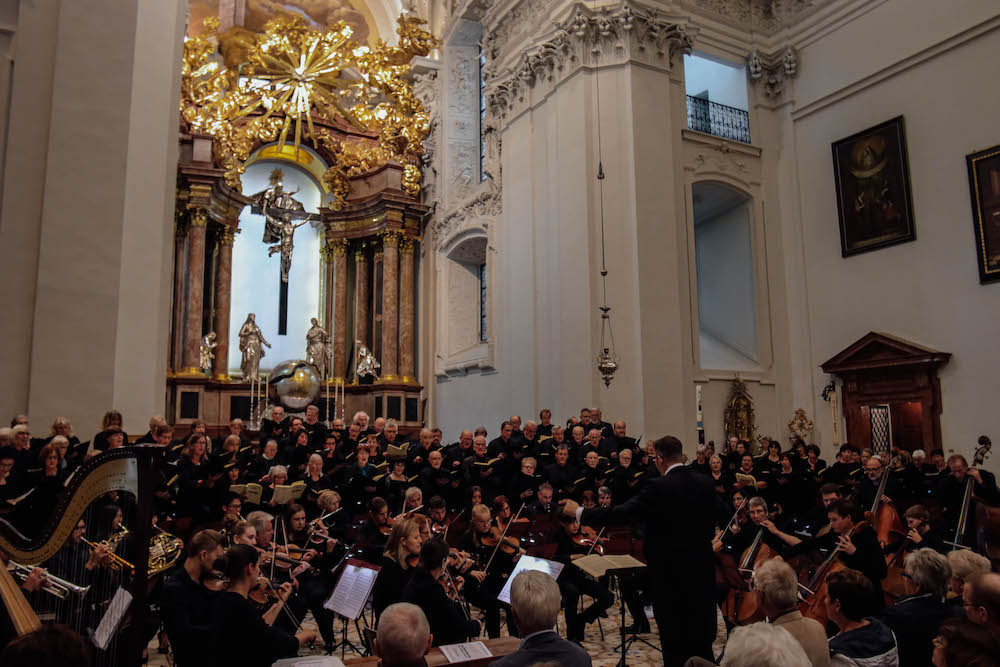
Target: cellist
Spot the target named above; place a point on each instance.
(867, 489)
(951, 494)
(856, 544)
(738, 538)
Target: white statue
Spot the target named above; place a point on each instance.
(367, 364)
(208, 345)
(318, 351)
(251, 345)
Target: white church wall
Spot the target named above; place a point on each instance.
(926, 290)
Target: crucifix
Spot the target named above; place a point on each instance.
(280, 211)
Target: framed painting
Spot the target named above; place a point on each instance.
(873, 189)
(984, 185)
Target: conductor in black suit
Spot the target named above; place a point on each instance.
(678, 513)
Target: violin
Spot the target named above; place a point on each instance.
(496, 537)
(588, 537)
(386, 528)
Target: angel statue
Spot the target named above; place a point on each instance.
(366, 363)
(318, 350)
(251, 341)
(285, 245)
(275, 196)
(208, 345)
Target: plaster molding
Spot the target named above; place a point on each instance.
(772, 70)
(706, 155)
(587, 37)
(765, 17)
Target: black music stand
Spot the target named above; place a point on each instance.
(626, 640)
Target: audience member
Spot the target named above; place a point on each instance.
(403, 637)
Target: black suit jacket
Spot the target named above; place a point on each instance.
(545, 647)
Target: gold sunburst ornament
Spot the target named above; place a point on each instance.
(277, 83)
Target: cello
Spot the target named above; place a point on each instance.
(967, 501)
(883, 515)
(742, 604)
(814, 604)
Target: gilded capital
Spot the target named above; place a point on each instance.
(339, 247)
(228, 235)
(199, 217)
(406, 245)
(390, 238)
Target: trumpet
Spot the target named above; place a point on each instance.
(54, 585)
(117, 562)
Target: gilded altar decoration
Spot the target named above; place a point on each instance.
(800, 426)
(276, 84)
(739, 418)
(207, 351)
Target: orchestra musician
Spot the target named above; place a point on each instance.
(186, 601)
(436, 592)
(233, 616)
(950, 492)
(484, 583)
(399, 559)
(574, 583)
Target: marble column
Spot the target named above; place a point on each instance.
(177, 340)
(406, 309)
(362, 297)
(223, 294)
(195, 292)
(390, 305)
(340, 309)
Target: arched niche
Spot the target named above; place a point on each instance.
(728, 337)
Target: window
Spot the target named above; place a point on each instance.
(482, 116)
(482, 303)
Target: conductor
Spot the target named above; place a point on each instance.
(677, 511)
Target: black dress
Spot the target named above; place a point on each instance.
(449, 625)
(245, 639)
(389, 584)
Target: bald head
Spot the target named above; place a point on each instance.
(981, 598)
(404, 636)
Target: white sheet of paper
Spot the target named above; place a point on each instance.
(352, 591)
(465, 652)
(112, 617)
(551, 567)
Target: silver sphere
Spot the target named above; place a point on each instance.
(294, 385)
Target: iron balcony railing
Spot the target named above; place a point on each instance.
(718, 120)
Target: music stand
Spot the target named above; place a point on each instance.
(617, 566)
(350, 596)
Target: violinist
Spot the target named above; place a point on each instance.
(398, 561)
(574, 583)
(375, 529)
(857, 543)
(413, 501)
(331, 518)
(315, 584)
(437, 511)
(259, 644)
(483, 585)
(186, 602)
(437, 593)
(919, 534)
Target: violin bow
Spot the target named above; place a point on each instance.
(502, 536)
(596, 540)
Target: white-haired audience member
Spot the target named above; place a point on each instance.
(403, 637)
(535, 599)
(965, 564)
(916, 617)
(763, 645)
(777, 586)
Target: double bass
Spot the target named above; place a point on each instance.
(967, 501)
(883, 515)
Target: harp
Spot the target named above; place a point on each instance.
(132, 469)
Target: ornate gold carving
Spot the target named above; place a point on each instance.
(406, 245)
(390, 238)
(339, 247)
(272, 84)
(228, 235)
(199, 217)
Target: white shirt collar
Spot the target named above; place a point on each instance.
(676, 465)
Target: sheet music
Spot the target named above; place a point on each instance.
(112, 617)
(465, 652)
(551, 567)
(352, 590)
